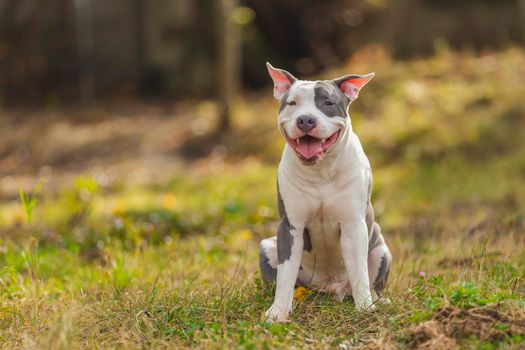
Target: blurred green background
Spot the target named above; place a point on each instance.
(138, 155)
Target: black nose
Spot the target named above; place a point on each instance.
(306, 123)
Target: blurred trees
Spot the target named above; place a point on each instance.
(36, 49)
(85, 50)
(229, 59)
(52, 50)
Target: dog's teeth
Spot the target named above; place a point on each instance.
(323, 140)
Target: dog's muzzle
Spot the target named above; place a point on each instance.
(310, 148)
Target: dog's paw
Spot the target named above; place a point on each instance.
(370, 307)
(365, 304)
(277, 314)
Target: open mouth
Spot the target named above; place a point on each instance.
(310, 148)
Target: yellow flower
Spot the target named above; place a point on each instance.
(243, 235)
(301, 293)
(169, 201)
(119, 208)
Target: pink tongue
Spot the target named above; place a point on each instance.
(309, 147)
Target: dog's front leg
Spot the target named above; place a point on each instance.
(289, 252)
(354, 246)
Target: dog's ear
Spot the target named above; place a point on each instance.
(350, 85)
(282, 81)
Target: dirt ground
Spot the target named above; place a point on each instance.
(137, 143)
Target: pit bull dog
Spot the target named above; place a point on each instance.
(327, 238)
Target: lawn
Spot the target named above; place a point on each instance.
(173, 262)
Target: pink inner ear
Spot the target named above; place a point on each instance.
(351, 87)
(358, 82)
(280, 81)
(350, 90)
(280, 88)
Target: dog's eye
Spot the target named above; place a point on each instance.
(292, 103)
(328, 103)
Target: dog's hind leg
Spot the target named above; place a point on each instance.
(268, 259)
(379, 261)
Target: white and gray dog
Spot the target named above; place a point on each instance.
(327, 238)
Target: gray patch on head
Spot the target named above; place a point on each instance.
(382, 274)
(327, 91)
(307, 241)
(284, 234)
(269, 273)
(284, 101)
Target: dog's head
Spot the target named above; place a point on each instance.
(314, 114)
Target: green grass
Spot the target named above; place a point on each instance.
(175, 264)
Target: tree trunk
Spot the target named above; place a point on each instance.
(85, 48)
(229, 60)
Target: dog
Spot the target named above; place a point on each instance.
(327, 239)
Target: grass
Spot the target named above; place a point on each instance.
(29, 201)
(174, 264)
